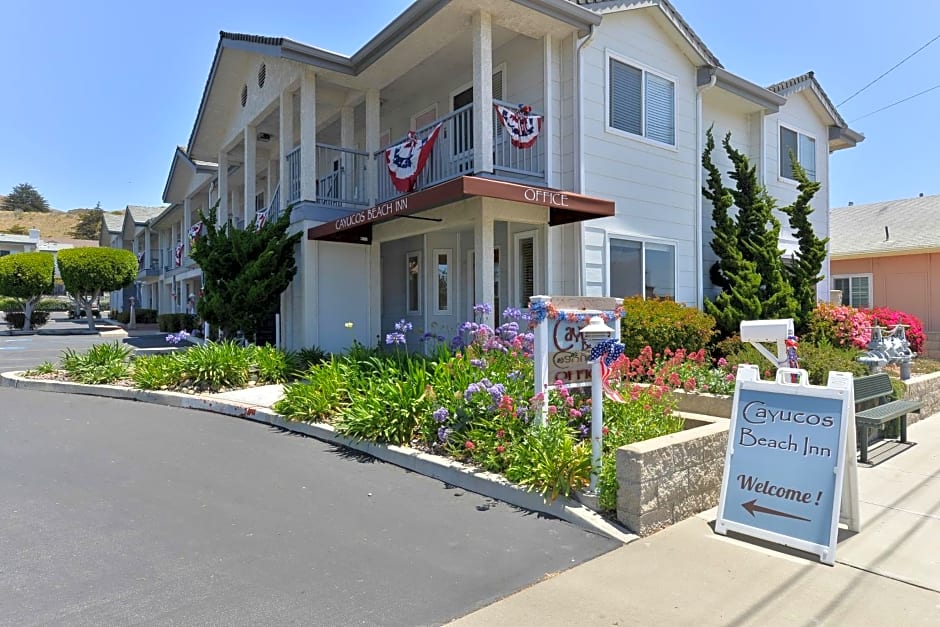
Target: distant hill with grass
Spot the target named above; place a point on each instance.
(52, 225)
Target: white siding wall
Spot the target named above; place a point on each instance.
(799, 113)
(653, 186)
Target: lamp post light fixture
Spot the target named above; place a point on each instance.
(595, 332)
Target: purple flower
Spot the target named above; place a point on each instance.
(443, 434)
(403, 326)
(515, 374)
(395, 338)
(483, 308)
(441, 415)
(479, 363)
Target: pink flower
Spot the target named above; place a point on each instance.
(722, 362)
(500, 448)
(470, 445)
(501, 434)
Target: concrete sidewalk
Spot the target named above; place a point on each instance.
(887, 574)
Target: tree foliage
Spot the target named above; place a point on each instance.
(244, 272)
(806, 270)
(24, 197)
(755, 282)
(26, 277)
(89, 272)
(89, 223)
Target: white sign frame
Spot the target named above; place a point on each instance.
(845, 489)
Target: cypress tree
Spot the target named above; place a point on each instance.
(244, 272)
(806, 270)
(725, 231)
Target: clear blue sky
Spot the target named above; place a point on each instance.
(97, 94)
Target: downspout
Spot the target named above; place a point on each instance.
(580, 150)
(699, 149)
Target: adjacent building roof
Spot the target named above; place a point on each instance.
(140, 215)
(113, 222)
(892, 227)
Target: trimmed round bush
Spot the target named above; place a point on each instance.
(662, 324)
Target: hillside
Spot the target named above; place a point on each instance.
(51, 225)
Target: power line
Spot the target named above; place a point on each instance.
(896, 103)
(896, 66)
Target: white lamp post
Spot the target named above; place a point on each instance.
(594, 333)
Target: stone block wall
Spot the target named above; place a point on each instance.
(668, 479)
(925, 389)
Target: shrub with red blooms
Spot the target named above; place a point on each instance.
(887, 317)
(849, 327)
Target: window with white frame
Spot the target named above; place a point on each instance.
(640, 102)
(527, 260)
(444, 283)
(640, 268)
(856, 289)
(802, 147)
(413, 282)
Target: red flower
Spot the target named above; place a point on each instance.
(501, 434)
(470, 445)
(500, 448)
(604, 430)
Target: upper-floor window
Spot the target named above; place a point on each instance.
(641, 102)
(856, 289)
(800, 146)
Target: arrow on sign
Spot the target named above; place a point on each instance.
(752, 506)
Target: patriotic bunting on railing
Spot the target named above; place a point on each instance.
(195, 231)
(179, 254)
(261, 218)
(140, 260)
(406, 160)
(523, 126)
(610, 354)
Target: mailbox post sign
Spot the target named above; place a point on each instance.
(788, 451)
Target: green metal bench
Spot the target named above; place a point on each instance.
(875, 405)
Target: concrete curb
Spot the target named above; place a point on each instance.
(441, 468)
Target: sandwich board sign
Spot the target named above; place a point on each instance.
(790, 474)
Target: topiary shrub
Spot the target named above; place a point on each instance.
(662, 324)
(17, 319)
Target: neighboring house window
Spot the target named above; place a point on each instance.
(413, 282)
(639, 268)
(801, 146)
(641, 102)
(856, 290)
(4, 253)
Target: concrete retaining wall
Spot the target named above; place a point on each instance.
(667, 479)
(925, 389)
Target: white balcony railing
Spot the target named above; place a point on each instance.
(293, 175)
(343, 180)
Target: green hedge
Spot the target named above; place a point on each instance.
(16, 319)
(53, 304)
(142, 316)
(172, 323)
(662, 324)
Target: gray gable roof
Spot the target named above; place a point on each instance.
(113, 223)
(808, 80)
(892, 227)
(141, 214)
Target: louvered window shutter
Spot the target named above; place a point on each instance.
(626, 98)
(526, 270)
(660, 109)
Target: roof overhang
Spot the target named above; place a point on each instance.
(564, 207)
(194, 167)
(734, 84)
(840, 138)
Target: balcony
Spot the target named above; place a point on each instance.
(344, 181)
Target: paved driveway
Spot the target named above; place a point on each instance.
(114, 512)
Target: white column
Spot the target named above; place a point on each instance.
(373, 120)
(287, 142)
(251, 171)
(222, 213)
(187, 223)
(482, 93)
(147, 260)
(483, 246)
(551, 81)
(308, 136)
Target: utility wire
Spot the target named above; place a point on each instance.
(897, 103)
(896, 66)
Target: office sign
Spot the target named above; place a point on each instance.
(788, 449)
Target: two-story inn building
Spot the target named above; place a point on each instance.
(559, 145)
